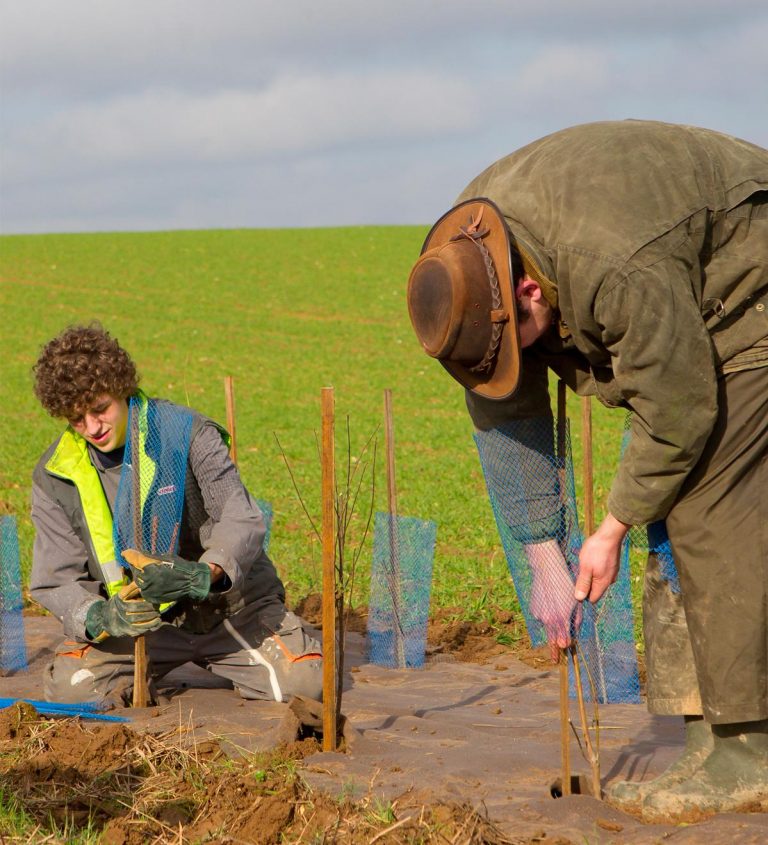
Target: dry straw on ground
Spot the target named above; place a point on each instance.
(71, 777)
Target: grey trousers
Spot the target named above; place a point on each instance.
(264, 651)
(707, 649)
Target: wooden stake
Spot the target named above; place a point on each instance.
(140, 661)
(561, 431)
(229, 395)
(394, 553)
(586, 443)
(589, 528)
(565, 726)
(589, 519)
(329, 569)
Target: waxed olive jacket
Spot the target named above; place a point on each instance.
(656, 239)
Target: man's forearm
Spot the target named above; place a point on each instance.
(543, 556)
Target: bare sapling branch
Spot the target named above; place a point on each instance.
(348, 507)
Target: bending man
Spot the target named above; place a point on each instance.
(631, 258)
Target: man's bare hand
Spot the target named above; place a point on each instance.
(599, 559)
(552, 599)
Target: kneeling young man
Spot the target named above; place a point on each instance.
(215, 600)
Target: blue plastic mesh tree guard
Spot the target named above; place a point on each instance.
(154, 469)
(267, 512)
(532, 493)
(401, 584)
(13, 649)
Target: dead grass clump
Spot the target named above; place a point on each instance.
(76, 778)
(372, 821)
(139, 788)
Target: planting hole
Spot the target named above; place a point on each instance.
(580, 785)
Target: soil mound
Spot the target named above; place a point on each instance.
(136, 788)
(503, 633)
(310, 608)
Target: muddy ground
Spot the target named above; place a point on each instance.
(465, 750)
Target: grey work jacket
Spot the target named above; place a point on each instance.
(655, 237)
(221, 524)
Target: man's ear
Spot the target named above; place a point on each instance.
(529, 288)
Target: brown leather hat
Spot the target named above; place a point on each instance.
(461, 299)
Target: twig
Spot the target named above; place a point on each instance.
(296, 488)
(595, 705)
(389, 829)
(346, 506)
(344, 499)
(594, 760)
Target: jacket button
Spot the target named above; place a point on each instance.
(760, 306)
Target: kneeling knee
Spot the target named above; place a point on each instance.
(303, 677)
(75, 687)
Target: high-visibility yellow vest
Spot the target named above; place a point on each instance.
(72, 462)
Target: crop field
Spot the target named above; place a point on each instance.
(285, 313)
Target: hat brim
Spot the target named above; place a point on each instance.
(503, 378)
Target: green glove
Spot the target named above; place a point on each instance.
(119, 617)
(171, 578)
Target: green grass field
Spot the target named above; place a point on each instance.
(286, 313)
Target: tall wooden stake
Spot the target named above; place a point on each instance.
(586, 442)
(589, 527)
(329, 569)
(140, 662)
(394, 553)
(589, 518)
(229, 395)
(565, 727)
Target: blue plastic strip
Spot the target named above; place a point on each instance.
(85, 710)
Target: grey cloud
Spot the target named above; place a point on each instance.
(291, 116)
(184, 113)
(49, 44)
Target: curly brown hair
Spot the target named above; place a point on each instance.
(80, 365)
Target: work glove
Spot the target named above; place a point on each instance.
(121, 617)
(167, 578)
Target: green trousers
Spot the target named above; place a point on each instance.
(707, 649)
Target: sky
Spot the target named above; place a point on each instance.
(200, 114)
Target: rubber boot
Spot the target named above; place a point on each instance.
(699, 742)
(733, 777)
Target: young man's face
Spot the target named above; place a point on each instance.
(104, 424)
